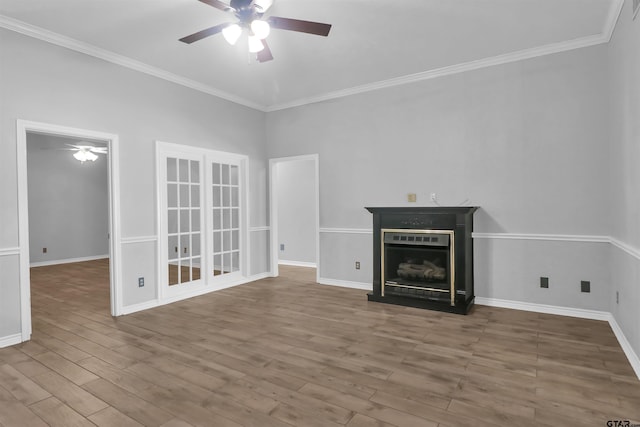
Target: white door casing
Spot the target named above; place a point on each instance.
(22, 128)
(273, 212)
(218, 221)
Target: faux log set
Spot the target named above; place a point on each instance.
(425, 270)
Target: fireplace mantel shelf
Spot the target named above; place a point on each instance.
(424, 209)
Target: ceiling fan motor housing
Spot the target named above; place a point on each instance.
(245, 11)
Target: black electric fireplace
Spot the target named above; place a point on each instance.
(423, 257)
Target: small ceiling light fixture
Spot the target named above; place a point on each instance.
(255, 44)
(232, 33)
(261, 29)
(83, 155)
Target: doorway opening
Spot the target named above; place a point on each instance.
(295, 220)
(68, 222)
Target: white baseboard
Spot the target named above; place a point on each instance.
(297, 263)
(260, 276)
(633, 358)
(67, 261)
(542, 308)
(345, 284)
(10, 340)
(129, 309)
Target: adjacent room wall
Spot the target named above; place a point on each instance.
(624, 212)
(81, 91)
(68, 202)
(296, 192)
(527, 142)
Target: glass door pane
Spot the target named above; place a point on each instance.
(225, 214)
(184, 222)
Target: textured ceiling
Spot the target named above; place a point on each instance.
(373, 43)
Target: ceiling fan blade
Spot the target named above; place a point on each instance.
(218, 5)
(99, 150)
(204, 33)
(309, 27)
(265, 54)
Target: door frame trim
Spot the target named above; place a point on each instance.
(273, 212)
(115, 274)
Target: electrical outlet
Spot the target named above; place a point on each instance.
(140, 282)
(544, 282)
(585, 286)
(411, 197)
(44, 250)
(434, 197)
(282, 246)
(357, 265)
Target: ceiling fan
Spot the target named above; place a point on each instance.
(249, 14)
(85, 152)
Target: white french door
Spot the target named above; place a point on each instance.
(202, 219)
(184, 219)
(225, 216)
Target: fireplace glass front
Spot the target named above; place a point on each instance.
(418, 263)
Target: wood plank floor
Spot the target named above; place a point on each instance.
(288, 352)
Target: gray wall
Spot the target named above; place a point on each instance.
(544, 146)
(527, 142)
(80, 91)
(296, 192)
(68, 202)
(624, 214)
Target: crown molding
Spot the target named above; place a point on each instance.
(448, 71)
(106, 55)
(603, 37)
(73, 44)
(612, 19)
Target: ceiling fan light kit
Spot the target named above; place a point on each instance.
(255, 44)
(232, 33)
(83, 155)
(249, 14)
(261, 29)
